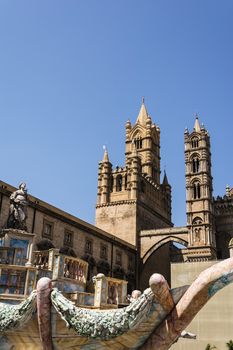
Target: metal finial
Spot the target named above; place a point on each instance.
(143, 99)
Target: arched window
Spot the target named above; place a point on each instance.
(195, 142)
(138, 142)
(195, 165)
(197, 221)
(196, 190)
(119, 183)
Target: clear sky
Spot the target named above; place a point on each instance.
(72, 73)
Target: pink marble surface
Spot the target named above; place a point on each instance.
(44, 287)
(201, 290)
(161, 290)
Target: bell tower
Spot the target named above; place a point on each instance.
(199, 201)
(131, 198)
(146, 137)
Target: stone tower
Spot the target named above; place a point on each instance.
(199, 201)
(131, 198)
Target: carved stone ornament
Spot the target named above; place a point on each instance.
(18, 209)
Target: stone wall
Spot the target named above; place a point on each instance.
(223, 209)
(119, 219)
(119, 254)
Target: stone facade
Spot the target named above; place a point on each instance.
(132, 203)
(199, 201)
(131, 198)
(104, 252)
(223, 213)
(133, 210)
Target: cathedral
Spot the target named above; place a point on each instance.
(133, 235)
(135, 205)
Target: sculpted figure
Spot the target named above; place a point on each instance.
(18, 209)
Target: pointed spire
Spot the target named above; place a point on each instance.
(165, 180)
(105, 158)
(143, 115)
(197, 125)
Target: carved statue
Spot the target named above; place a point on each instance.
(18, 209)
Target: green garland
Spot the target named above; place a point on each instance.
(102, 324)
(15, 316)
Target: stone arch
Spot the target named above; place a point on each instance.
(197, 220)
(195, 155)
(195, 179)
(162, 242)
(137, 131)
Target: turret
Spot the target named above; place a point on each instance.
(135, 172)
(146, 137)
(199, 206)
(131, 197)
(104, 179)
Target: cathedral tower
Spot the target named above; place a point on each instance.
(131, 198)
(199, 201)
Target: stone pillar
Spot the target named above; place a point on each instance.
(100, 290)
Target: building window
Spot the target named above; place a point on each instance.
(47, 229)
(138, 142)
(195, 142)
(196, 190)
(197, 221)
(119, 183)
(89, 246)
(195, 165)
(118, 257)
(68, 238)
(103, 251)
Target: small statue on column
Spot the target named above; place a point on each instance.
(18, 209)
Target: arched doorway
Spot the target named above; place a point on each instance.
(159, 257)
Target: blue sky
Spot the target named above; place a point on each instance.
(73, 72)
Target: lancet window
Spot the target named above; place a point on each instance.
(119, 183)
(196, 190)
(196, 165)
(195, 142)
(138, 142)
